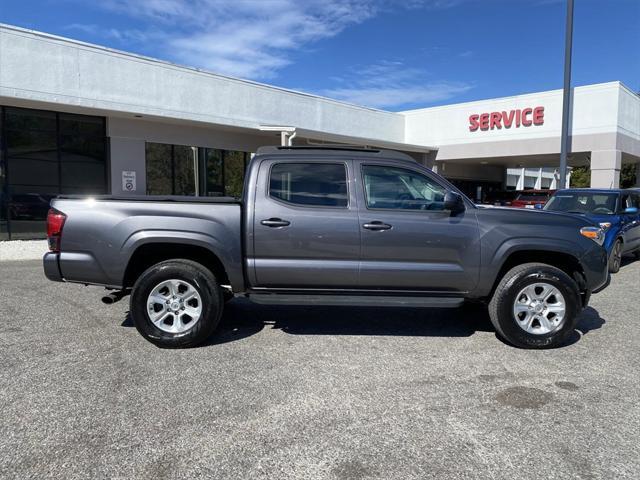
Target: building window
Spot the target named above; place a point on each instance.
(234, 167)
(44, 154)
(222, 172)
(212, 165)
(159, 166)
(171, 170)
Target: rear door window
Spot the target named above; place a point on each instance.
(310, 184)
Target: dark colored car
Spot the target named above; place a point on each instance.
(616, 211)
(339, 226)
(28, 206)
(531, 198)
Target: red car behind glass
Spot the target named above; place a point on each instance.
(531, 198)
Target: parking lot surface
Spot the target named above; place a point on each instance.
(302, 392)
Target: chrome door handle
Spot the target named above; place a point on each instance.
(275, 222)
(376, 226)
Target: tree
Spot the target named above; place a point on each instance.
(628, 175)
(580, 177)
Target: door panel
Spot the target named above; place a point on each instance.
(631, 221)
(425, 247)
(305, 226)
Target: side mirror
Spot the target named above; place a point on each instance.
(538, 206)
(453, 202)
(631, 210)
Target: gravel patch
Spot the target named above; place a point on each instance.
(302, 392)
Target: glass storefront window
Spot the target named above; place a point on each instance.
(44, 154)
(234, 166)
(171, 170)
(4, 233)
(158, 168)
(184, 159)
(213, 175)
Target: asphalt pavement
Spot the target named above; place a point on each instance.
(305, 393)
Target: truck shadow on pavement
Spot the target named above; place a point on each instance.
(243, 319)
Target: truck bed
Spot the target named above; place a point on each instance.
(102, 233)
(152, 198)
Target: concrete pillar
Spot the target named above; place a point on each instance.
(520, 184)
(538, 184)
(428, 159)
(605, 168)
(638, 175)
(127, 155)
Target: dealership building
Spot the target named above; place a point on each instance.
(82, 119)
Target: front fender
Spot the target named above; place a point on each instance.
(517, 244)
(495, 258)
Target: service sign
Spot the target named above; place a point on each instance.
(525, 117)
(128, 181)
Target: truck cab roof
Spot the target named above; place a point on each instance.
(310, 151)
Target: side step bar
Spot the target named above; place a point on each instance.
(355, 300)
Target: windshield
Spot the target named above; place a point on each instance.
(583, 202)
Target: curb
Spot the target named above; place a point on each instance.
(17, 250)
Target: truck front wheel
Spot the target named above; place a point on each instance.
(176, 304)
(535, 306)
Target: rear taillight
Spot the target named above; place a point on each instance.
(55, 222)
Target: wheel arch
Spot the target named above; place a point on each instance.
(149, 254)
(566, 262)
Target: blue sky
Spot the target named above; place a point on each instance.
(394, 55)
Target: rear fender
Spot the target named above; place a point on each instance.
(230, 259)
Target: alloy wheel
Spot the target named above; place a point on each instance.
(539, 308)
(174, 306)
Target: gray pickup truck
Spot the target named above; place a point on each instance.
(329, 226)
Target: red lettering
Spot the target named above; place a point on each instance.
(507, 120)
(484, 121)
(473, 122)
(538, 115)
(495, 119)
(490, 121)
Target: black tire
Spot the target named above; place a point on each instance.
(196, 275)
(615, 258)
(636, 254)
(504, 297)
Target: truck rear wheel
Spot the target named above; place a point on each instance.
(535, 306)
(176, 304)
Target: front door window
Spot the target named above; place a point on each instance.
(398, 188)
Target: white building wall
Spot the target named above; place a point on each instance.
(82, 75)
(595, 111)
(190, 107)
(128, 137)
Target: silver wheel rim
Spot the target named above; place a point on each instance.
(174, 306)
(539, 308)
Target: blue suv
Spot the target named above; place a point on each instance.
(615, 210)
